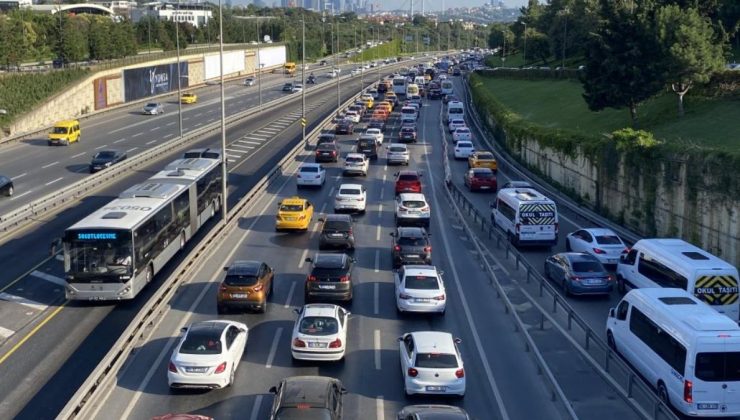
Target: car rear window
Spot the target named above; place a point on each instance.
(313, 169)
(354, 159)
(436, 360)
(329, 261)
(408, 177)
(397, 149)
(335, 225)
(318, 325)
(411, 241)
(587, 267)
(350, 191)
(608, 240)
(462, 130)
(241, 280)
(485, 156)
(483, 174)
(326, 146)
(414, 204)
(464, 144)
(303, 413)
(291, 207)
(718, 367)
(422, 283)
(366, 142)
(201, 342)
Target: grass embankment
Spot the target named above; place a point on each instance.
(20, 93)
(517, 60)
(710, 123)
(388, 49)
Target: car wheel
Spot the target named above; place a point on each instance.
(148, 275)
(567, 245)
(663, 394)
(621, 287)
(610, 342)
(10, 192)
(263, 308)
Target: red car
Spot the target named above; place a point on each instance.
(408, 182)
(481, 179)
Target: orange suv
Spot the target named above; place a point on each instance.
(247, 284)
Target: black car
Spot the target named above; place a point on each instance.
(105, 158)
(322, 63)
(432, 411)
(288, 87)
(308, 398)
(6, 186)
(407, 134)
(326, 138)
(330, 278)
(449, 97)
(327, 152)
(456, 72)
(337, 232)
(368, 147)
(344, 127)
(410, 245)
(376, 124)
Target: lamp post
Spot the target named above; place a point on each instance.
(303, 77)
(565, 36)
(259, 64)
(503, 49)
(336, 66)
(179, 83)
(224, 173)
(525, 44)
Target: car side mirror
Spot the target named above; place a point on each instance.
(242, 330)
(611, 312)
(458, 340)
(273, 390)
(400, 338)
(308, 260)
(393, 234)
(226, 268)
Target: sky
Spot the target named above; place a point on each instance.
(428, 4)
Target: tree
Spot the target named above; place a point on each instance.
(74, 43)
(100, 41)
(690, 49)
(538, 45)
(621, 69)
(499, 35)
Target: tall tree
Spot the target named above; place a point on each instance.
(74, 44)
(621, 70)
(538, 45)
(690, 48)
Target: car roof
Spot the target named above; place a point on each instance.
(293, 200)
(411, 231)
(433, 342)
(359, 155)
(408, 172)
(320, 309)
(412, 196)
(578, 256)
(600, 231)
(329, 260)
(359, 186)
(215, 327)
(306, 390)
(420, 270)
(311, 165)
(244, 267)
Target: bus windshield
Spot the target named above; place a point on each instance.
(92, 254)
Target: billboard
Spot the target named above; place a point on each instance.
(233, 62)
(152, 80)
(272, 56)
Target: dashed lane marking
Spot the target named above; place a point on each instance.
(22, 301)
(50, 165)
(25, 173)
(48, 277)
(56, 180)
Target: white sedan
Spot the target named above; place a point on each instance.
(377, 133)
(320, 332)
(463, 149)
(419, 288)
(431, 364)
(462, 133)
(297, 88)
(310, 174)
(351, 197)
(352, 116)
(356, 71)
(356, 163)
(207, 355)
(602, 243)
(456, 123)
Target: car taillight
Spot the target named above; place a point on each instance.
(427, 249)
(258, 288)
(335, 344)
(223, 288)
(412, 372)
(333, 152)
(599, 251)
(625, 250)
(518, 227)
(311, 278)
(425, 208)
(688, 391)
(404, 296)
(349, 232)
(440, 297)
(460, 373)
(557, 227)
(318, 153)
(220, 368)
(299, 343)
(344, 279)
(172, 368)
(396, 248)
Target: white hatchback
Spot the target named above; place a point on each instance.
(397, 153)
(431, 364)
(463, 149)
(320, 332)
(207, 355)
(350, 197)
(462, 133)
(352, 116)
(356, 163)
(310, 174)
(602, 243)
(419, 288)
(454, 124)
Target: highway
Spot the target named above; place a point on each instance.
(502, 382)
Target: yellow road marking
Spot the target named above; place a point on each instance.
(32, 332)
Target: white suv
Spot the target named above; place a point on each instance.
(356, 163)
(350, 197)
(397, 153)
(412, 209)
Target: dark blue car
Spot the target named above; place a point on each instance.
(579, 274)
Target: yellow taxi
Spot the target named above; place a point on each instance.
(368, 99)
(483, 160)
(189, 98)
(64, 132)
(294, 213)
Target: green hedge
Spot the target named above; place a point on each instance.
(20, 93)
(531, 74)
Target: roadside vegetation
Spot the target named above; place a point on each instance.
(379, 52)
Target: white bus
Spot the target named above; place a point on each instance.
(116, 251)
(689, 353)
(399, 85)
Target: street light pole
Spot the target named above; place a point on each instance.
(224, 173)
(303, 78)
(336, 65)
(525, 44)
(179, 84)
(565, 36)
(503, 49)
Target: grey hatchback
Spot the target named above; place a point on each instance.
(579, 274)
(336, 232)
(330, 278)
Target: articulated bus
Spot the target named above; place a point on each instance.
(117, 250)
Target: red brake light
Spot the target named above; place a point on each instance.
(688, 391)
(344, 279)
(335, 344)
(311, 278)
(460, 373)
(575, 278)
(172, 368)
(427, 249)
(223, 288)
(258, 287)
(397, 248)
(299, 343)
(221, 368)
(440, 297)
(413, 372)
(333, 152)
(318, 153)
(599, 251)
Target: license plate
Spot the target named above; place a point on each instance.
(327, 286)
(196, 369)
(612, 261)
(436, 388)
(707, 406)
(316, 345)
(337, 235)
(593, 281)
(485, 187)
(421, 300)
(325, 154)
(414, 212)
(239, 295)
(412, 256)
(290, 219)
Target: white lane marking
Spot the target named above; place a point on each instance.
(199, 114)
(304, 254)
(199, 124)
(5, 333)
(377, 261)
(120, 140)
(376, 301)
(49, 165)
(150, 142)
(239, 148)
(258, 135)
(234, 155)
(270, 130)
(170, 123)
(290, 295)
(100, 147)
(23, 301)
(376, 345)
(132, 149)
(249, 142)
(186, 118)
(169, 135)
(273, 348)
(256, 408)
(17, 196)
(331, 191)
(155, 128)
(382, 189)
(48, 277)
(379, 408)
(466, 308)
(78, 155)
(25, 173)
(56, 180)
(138, 134)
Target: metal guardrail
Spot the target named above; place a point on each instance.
(103, 377)
(54, 201)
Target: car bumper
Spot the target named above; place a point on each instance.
(213, 381)
(416, 386)
(409, 305)
(537, 242)
(329, 295)
(394, 159)
(291, 225)
(325, 158)
(243, 303)
(354, 171)
(311, 182)
(343, 205)
(578, 288)
(336, 242)
(422, 259)
(150, 112)
(318, 355)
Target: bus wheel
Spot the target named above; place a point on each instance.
(182, 240)
(149, 274)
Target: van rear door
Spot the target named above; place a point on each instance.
(716, 381)
(719, 289)
(537, 222)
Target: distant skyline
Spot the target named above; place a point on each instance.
(430, 5)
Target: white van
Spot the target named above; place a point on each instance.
(446, 87)
(527, 217)
(420, 80)
(688, 352)
(455, 111)
(412, 89)
(676, 263)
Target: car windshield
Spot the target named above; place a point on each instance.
(240, 280)
(291, 207)
(608, 240)
(151, 105)
(311, 169)
(104, 155)
(413, 204)
(411, 241)
(464, 145)
(301, 413)
(350, 191)
(201, 342)
(587, 267)
(462, 131)
(59, 130)
(318, 325)
(422, 283)
(407, 130)
(436, 360)
(337, 225)
(408, 177)
(354, 159)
